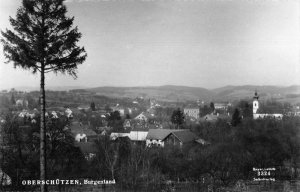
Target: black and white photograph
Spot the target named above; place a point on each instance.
(150, 95)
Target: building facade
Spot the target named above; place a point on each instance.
(192, 112)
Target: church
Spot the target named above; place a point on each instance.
(257, 115)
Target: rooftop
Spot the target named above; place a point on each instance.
(185, 136)
(160, 133)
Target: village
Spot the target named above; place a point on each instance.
(144, 123)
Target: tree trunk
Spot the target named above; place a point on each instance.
(42, 131)
(112, 172)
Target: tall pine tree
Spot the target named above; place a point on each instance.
(43, 40)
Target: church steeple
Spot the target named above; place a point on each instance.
(255, 102)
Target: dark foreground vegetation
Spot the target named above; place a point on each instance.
(230, 156)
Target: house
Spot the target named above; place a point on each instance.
(83, 107)
(157, 136)
(120, 109)
(293, 113)
(103, 130)
(138, 135)
(54, 115)
(68, 113)
(88, 149)
(265, 115)
(4, 178)
(222, 106)
(179, 138)
(127, 124)
(135, 136)
(192, 112)
(82, 133)
(144, 116)
(25, 113)
(22, 103)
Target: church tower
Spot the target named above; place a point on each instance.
(255, 102)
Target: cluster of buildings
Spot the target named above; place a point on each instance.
(140, 130)
(85, 138)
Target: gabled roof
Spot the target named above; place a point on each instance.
(185, 136)
(221, 104)
(145, 114)
(191, 108)
(160, 134)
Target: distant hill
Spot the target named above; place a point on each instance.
(164, 93)
(52, 88)
(246, 91)
(184, 93)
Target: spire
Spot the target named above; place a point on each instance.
(255, 95)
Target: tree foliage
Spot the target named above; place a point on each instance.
(177, 118)
(43, 39)
(93, 106)
(236, 118)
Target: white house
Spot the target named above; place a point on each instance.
(138, 135)
(222, 106)
(69, 113)
(120, 109)
(82, 133)
(132, 135)
(265, 115)
(54, 115)
(22, 103)
(143, 116)
(81, 137)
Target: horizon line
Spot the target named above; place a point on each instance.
(138, 86)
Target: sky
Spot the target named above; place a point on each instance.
(198, 43)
